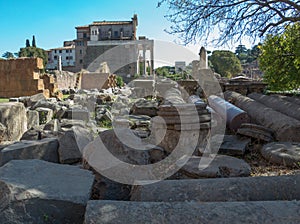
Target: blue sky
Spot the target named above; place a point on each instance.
(54, 21)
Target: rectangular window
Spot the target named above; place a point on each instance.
(60, 51)
(116, 34)
(71, 57)
(70, 51)
(55, 51)
(55, 57)
(80, 61)
(67, 58)
(67, 51)
(84, 35)
(80, 52)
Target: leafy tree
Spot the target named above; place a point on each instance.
(232, 19)
(8, 55)
(280, 59)
(27, 43)
(33, 41)
(34, 52)
(225, 63)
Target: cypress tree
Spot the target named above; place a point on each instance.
(33, 41)
(27, 43)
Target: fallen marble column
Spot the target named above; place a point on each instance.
(295, 100)
(122, 212)
(280, 105)
(233, 115)
(221, 189)
(285, 128)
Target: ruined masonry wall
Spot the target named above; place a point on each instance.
(20, 77)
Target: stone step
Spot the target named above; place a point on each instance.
(221, 189)
(192, 212)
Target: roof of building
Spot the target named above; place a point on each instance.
(101, 23)
(63, 48)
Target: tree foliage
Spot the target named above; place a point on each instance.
(280, 59)
(8, 55)
(225, 63)
(247, 55)
(232, 19)
(34, 52)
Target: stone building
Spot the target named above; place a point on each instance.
(116, 43)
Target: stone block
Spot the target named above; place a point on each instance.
(221, 166)
(45, 114)
(36, 191)
(72, 143)
(45, 149)
(77, 114)
(13, 117)
(33, 119)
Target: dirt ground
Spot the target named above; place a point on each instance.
(261, 167)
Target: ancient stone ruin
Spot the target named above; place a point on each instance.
(149, 152)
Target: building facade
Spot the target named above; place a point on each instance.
(113, 42)
(62, 58)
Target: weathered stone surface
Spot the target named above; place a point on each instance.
(45, 149)
(32, 100)
(145, 107)
(119, 142)
(66, 123)
(221, 189)
(231, 144)
(33, 119)
(77, 114)
(221, 166)
(105, 212)
(53, 125)
(285, 128)
(45, 114)
(37, 134)
(280, 105)
(13, 117)
(35, 191)
(283, 153)
(2, 132)
(72, 143)
(256, 134)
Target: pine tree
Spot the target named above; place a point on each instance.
(33, 41)
(27, 43)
